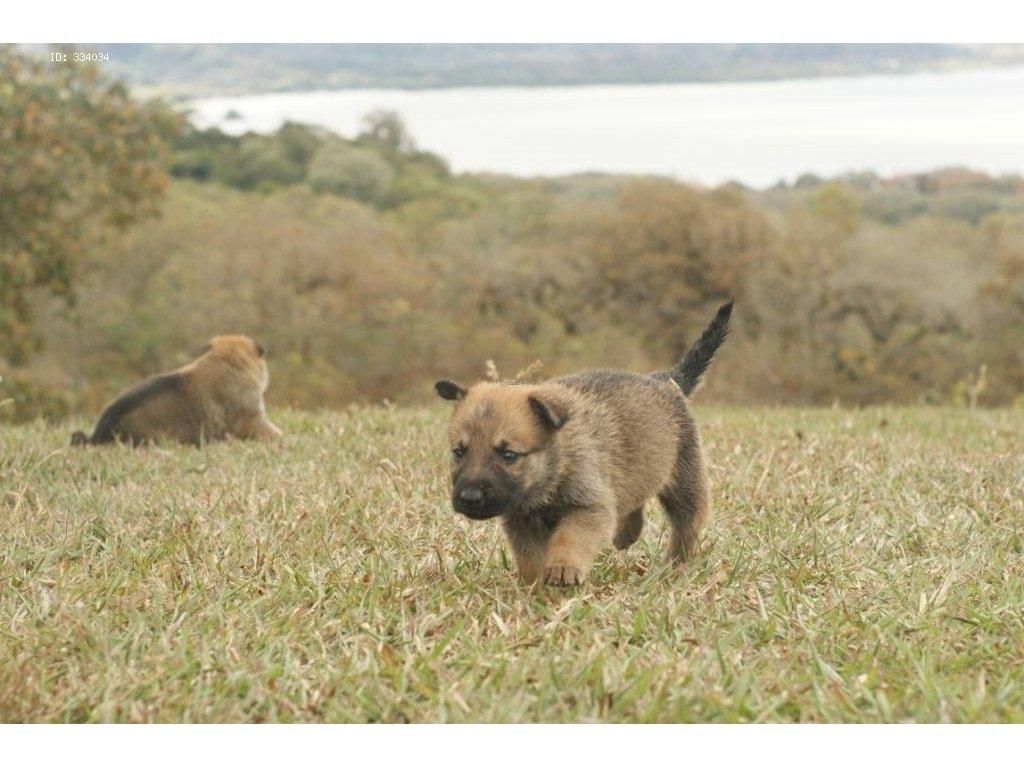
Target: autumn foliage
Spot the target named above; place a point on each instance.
(78, 156)
(369, 269)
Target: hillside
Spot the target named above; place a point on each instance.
(189, 70)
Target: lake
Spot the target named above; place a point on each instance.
(756, 133)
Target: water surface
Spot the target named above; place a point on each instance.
(756, 133)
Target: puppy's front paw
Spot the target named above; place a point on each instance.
(562, 575)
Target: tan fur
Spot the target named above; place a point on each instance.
(568, 465)
(582, 486)
(216, 396)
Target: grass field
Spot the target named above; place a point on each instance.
(861, 566)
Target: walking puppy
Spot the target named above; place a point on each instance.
(220, 394)
(569, 464)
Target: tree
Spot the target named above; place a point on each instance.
(79, 156)
(386, 128)
(351, 171)
(263, 162)
(203, 155)
(837, 204)
(300, 143)
(666, 252)
(1002, 302)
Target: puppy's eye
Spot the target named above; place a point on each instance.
(508, 456)
(458, 452)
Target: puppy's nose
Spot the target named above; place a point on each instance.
(471, 495)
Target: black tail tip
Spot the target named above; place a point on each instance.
(725, 311)
(79, 438)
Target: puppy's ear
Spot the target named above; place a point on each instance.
(550, 409)
(449, 390)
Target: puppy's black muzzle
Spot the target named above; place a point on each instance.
(476, 502)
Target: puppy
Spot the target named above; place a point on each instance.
(569, 464)
(220, 394)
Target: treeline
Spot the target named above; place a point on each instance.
(380, 167)
(369, 269)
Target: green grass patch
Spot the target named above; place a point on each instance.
(861, 566)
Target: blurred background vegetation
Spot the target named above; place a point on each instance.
(127, 237)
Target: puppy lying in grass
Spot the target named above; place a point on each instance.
(569, 464)
(218, 395)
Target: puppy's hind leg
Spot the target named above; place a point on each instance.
(265, 430)
(630, 528)
(256, 427)
(686, 500)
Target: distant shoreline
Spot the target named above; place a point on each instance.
(886, 74)
(179, 97)
(184, 71)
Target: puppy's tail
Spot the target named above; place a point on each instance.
(688, 373)
(79, 438)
